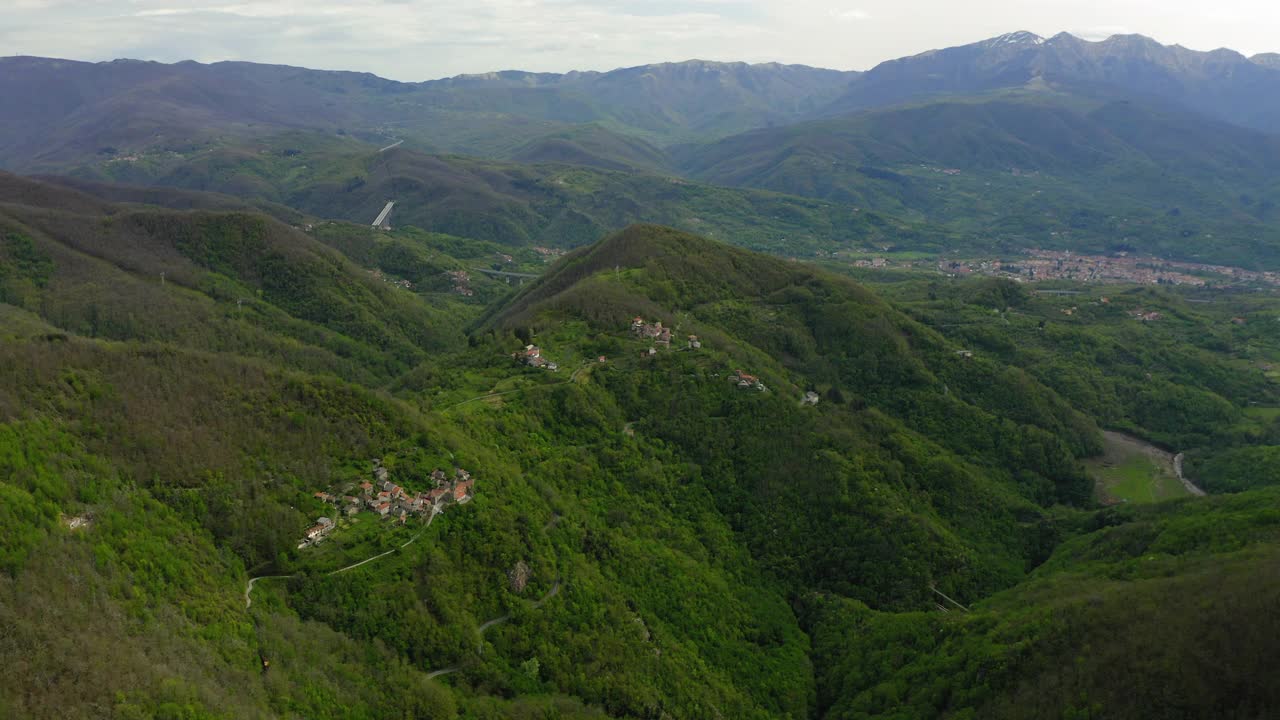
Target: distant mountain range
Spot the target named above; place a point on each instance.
(1222, 83)
(1127, 143)
(72, 110)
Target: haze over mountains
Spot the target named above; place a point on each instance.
(1122, 143)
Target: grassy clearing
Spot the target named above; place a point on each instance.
(1133, 472)
(357, 538)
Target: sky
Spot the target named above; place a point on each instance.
(425, 39)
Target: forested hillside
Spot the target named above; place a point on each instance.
(557, 439)
(1087, 171)
(516, 205)
(714, 528)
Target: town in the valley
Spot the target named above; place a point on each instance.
(1039, 265)
(386, 499)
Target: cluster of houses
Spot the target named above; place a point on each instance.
(461, 281)
(531, 355)
(1145, 316)
(387, 499)
(658, 335)
(743, 380)
(651, 331)
(383, 277)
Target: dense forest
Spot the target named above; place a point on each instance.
(818, 494)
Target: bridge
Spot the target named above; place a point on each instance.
(499, 273)
(381, 221)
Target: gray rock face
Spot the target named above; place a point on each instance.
(519, 577)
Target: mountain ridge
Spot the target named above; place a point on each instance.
(1221, 83)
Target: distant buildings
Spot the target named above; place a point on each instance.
(743, 380)
(386, 498)
(1040, 265)
(531, 355)
(654, 332)
(461, 281)
(316, 532)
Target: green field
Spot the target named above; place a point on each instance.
(1133, 472)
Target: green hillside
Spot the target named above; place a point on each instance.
(592, 146)
(1087, 171)
(547, 204)
(222, 282)
(648, 538)
(1167, 612)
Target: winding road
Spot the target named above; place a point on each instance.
(480, 631)
(248, 599)
(1177, 470)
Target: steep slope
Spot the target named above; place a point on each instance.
(76, 111)
(1222, 84)
(173, 198)
(156, 475)
(1049, 166)
(963, 455)
(646, 538)
(592, 146)
(1163, 611)
(549, 204)
(693, 99)
(226, 282)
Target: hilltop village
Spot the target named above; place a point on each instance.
(659, 335)
(383, 497)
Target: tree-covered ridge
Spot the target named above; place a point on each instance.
(547, 203)
(996, 439)
(1194, 375)
(1165, 612)
(647, 538)
(238, 283)
(1078, 168)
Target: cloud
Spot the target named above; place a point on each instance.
(851, 14)
(1101, 32)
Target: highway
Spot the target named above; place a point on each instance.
(386, 211)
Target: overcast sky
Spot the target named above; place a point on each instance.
(423, 39)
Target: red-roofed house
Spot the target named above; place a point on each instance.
(462, 492)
